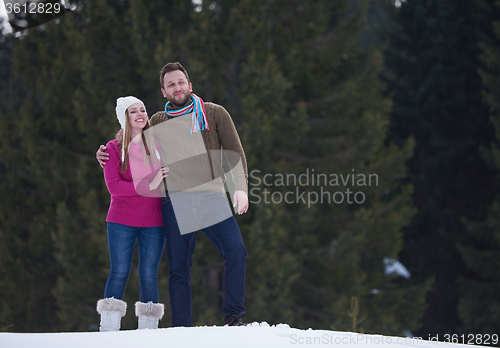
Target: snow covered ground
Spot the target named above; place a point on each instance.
(255, 336)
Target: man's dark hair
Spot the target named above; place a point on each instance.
(172, 67)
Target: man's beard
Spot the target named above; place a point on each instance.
(182, 102)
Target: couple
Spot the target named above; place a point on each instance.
(187, 157)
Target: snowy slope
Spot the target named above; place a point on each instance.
(241, 337)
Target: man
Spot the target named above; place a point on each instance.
(195, 197)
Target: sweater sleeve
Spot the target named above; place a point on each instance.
(142, 186)
(142, 176)
(230, 141)
(112, 173)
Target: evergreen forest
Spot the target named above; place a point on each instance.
(371, 130)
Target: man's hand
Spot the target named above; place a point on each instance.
(102, 156)
(240, 199)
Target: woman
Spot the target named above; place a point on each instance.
(133, 176)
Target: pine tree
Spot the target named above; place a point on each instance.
(26, 264)
(11, 188)
(431, 67)
(479, 306)
(348, 118)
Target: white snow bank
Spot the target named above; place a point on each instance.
(256, 336)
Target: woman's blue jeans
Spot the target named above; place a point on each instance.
(121, 242)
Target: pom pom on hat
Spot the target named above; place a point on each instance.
(122, 104)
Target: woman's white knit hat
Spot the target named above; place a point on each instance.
(122, 105)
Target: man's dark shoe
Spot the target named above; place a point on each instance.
(234, 320)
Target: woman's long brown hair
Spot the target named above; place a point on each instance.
(145, 142)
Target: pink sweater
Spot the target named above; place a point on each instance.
(127, 206)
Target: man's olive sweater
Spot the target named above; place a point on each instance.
(221, 140)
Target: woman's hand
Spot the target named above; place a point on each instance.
(162, 174)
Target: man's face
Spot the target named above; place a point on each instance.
(176, 87)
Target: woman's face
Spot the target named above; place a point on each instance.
(137, 116)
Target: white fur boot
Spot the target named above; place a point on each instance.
(111, 310)
(149, 314)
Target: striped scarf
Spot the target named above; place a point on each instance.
(197, 107)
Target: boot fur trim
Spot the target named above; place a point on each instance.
(150, 309)
(112, 304)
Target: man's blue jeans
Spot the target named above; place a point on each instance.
(121, 242)
(226, 237)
